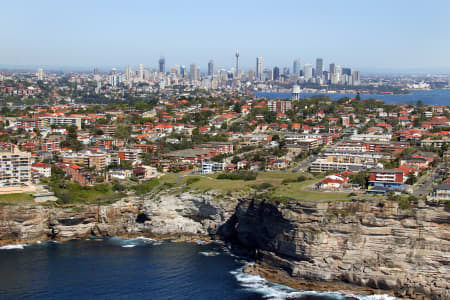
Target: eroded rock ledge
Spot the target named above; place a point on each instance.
(372, 244)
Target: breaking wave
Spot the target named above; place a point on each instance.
(209, 253)
(133, 242)
(275, 291)
(13, 247)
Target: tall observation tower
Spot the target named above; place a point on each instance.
(237, 64)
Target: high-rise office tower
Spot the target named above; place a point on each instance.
(128, 73)
(332, 68)
(183, 71)
(211, 68)
(148, 74)
(198, 74)
(259, 69)
(319, 67)
(285, 71)
(95, 71)
(251, 75)
(308, 72)
(162, 65)
(347, 71)
(40, 74)
(296, 67)
(276, 73)
(192, 72)
(141, 72)
(356, 77)
(237, 64)
(268, 74)
(175, 70)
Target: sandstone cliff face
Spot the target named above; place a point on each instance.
(167, 215)
(373, 244)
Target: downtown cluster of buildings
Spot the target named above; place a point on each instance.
(208, 131)
(215, 78)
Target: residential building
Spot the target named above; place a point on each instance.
(15, 168)
(43, 169)
(391, 179)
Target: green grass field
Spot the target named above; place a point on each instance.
(18, 198)
(298, 190)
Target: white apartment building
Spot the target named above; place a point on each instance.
(15, 168)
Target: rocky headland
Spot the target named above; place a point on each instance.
(341, 245)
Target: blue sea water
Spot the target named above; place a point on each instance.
(138, 268)
(432, 97)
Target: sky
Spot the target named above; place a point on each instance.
(381, 35)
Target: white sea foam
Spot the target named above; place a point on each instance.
(13, 247)
(274, 291)
(200, 242)
(132, 242)
(142, 238)
(209, 253)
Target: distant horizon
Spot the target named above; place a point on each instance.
(104, 69)
(404, 36)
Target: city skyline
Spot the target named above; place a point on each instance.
(73, 35)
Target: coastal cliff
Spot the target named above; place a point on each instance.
(372, 244)
(165, 215)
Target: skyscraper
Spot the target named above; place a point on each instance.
(183, 71)
(95, 71)
(259, 68)
(40, 74)
(192, 72)
(276, 73)
(347, 71)
(141, 72)
(356, 77)
(332, 68)
(211, 68)
(162, 65)
(308, 72)
(237, 64)
(319, 67)
(128, 73)
(296, 67)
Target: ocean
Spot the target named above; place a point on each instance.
(139, 268)
(432, 97)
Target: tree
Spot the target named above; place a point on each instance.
(71, 140)
(411, 179)
(358, 96)
(123, 132)
(237, 107)
(360, 178)
(419, 103)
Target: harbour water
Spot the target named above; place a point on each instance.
(432, 97)
(117, 268)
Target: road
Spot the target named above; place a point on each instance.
(306, 163)
(422, 189)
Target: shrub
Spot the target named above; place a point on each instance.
(264, 186)
(403, 203)
(192, 180)
(241, 175)
(413, 199)
(301, 178)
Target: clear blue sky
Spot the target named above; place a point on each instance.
(370, 35)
